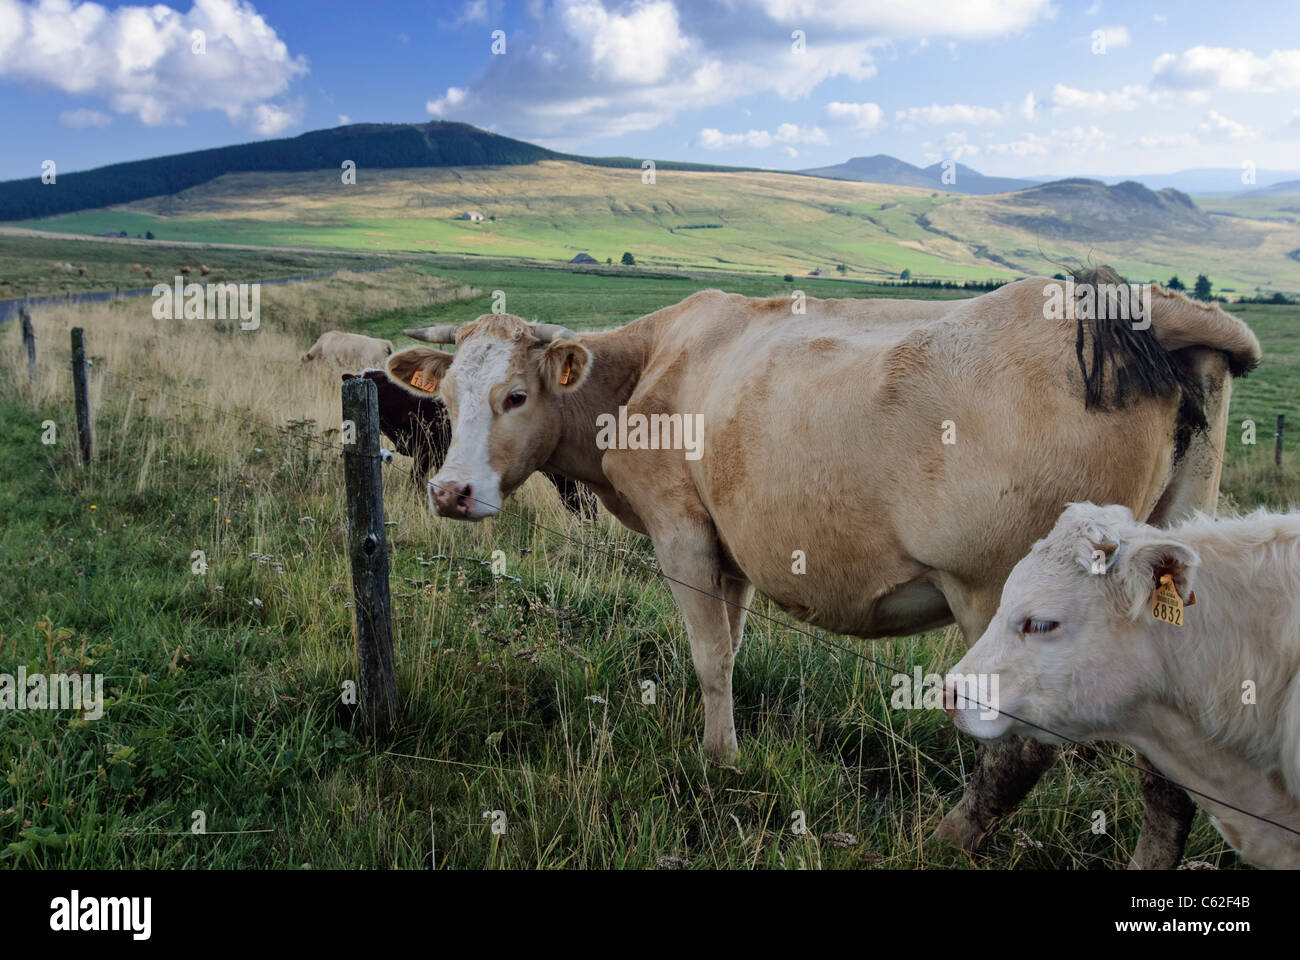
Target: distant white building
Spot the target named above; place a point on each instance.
(470, 215)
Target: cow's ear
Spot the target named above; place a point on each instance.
(1150, 560)
(418, 370)
(564, 365)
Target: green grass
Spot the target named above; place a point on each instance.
(224, 688)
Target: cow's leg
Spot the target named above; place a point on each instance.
(689, 558)
(1005, 770)
(739, 594)
(1167, 813)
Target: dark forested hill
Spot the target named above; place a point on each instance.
(368, 145)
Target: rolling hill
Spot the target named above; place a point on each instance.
(883, 168)
(762, 222)
(371, 146)
(415, 183)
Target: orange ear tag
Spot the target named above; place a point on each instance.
(1166, 604)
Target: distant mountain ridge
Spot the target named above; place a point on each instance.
(368, 145)
(1079, 209)
(883, 168)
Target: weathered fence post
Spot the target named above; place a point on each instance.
(1277, 440)
(81, 394)
(368, 551)
(29, 341)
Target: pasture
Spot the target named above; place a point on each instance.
(747, 222)
(522, 696)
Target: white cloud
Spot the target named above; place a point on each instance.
(712, 138)
(1076, 139)
(970, 19)
(1165, 141)
(448, 101)
(1093, 10)
(83, 117)
(1129, 97)
(474, 11)
(1220, 68)
(1217, 123)
(602, 68)
(950, 113)
(1113, 37)
(1160, 18)
(267, 119)
(141, 60)
(864, 116)
(1029, 107)
(344, 119)
(637, 47)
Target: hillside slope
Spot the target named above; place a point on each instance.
(751, 221)
(370, 146)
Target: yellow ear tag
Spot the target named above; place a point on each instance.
(567, 375)
(1166, 604)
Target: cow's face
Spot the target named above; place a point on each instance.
(1071, 643)
(502, 389)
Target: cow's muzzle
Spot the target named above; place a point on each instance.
(451, 499)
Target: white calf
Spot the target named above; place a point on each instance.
(1083, 647)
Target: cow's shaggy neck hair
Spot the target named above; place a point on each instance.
(1120, 364)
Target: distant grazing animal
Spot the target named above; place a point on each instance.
(204, 270)
(875, 467)
(81, 271)
(419, 428)
(148, 273)
(135, 267)
(1078, 649)
(348, 349)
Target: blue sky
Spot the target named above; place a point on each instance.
(1010, 87)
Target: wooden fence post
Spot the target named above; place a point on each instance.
(1277, 440)
(29, 341)
(368, 551)
(81, 395)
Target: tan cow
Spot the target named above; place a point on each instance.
(1210, 692)
(876, 467)
(351, 350)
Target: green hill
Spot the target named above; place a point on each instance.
(371, 146)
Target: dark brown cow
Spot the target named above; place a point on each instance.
(418, 428)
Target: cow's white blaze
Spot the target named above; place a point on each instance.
(479, 366)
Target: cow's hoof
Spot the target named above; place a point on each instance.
(960, 830)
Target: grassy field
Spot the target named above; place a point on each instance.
(742, 222)
(520, 696)
(27, 264)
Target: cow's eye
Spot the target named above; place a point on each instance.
(1035, 626)
(515, 400)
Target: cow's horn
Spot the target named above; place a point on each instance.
(552, 331)
(439, 333)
